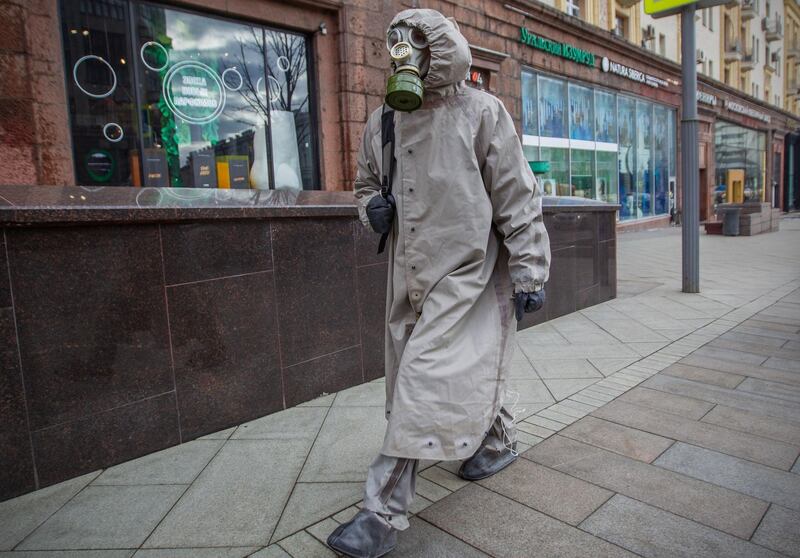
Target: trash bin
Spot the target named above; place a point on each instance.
(730, 220)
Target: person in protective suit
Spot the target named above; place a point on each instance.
(468, 254)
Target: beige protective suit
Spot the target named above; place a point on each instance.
(467, 234)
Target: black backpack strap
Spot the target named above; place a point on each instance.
(387, 168)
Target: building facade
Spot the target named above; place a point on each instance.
(268, 94)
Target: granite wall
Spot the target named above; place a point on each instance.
(120, 339)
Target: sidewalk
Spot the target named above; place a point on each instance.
(657, 424)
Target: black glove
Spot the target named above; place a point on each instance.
(380, 212)
(528, 302)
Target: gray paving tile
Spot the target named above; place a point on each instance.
(348, 442)
(545, 423)
(272, 551)
(345, 515)
(444, 477)
(737, 335)
(238, 498)
(20, 516)
(771, 389)
(772, 325)
(322, 530)
(303, 545)
(321, 401)
(587, 400)
(731, 398)
(796, 468)
(617, 438)
(675, 404)
(558, 495)
(236, 552)
(534, 429)
(704, 375)
(69, 554)
(763, 332)
(790, 365)
(723, 509)
(501, 527)
(312, 502)
(418, 504)
(431, 490)
(557, 416)
(371, 394)
(221, 435)
(296, 423)
(779, 531)
(577, 405)
(759, 425)
(740, 444)
(561, 389)
(654, 533)
(530, 391)
(566, 368)
(766, 483)
(423, 540)
(176, 465)
(766, 350)
(105, 517)
(610, 365)
(730, 355)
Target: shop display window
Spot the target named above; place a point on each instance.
(626, 117)
(582, 173)
(644, 159)
(171, 98)
(581, 113)
(556, 182)
(605, 117)
(618, 149)
(530, 110)
(552, 107)
(740, 162)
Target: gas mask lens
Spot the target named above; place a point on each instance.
(408, 48)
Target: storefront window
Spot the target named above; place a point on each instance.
(644, 159)
(530, 123)
(660, 160)
(213, 103)
(606, 181)
(552, 107)
(556, 182)
(581, 113)
(605, 116)
(611, 148)
(626, 116)
(582, 173)
(740, 157)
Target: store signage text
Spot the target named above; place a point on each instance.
(706, 98)
(194, 92)
(632, 73)
(563, 50)
(747, 111)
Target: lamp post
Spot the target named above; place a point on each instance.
(690, 162)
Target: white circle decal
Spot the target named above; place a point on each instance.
(283, 64)
(194, 92)
(88, 58)
(238, 76)
(163, 51)
(605, 64)
(274, 88)
(113, 132)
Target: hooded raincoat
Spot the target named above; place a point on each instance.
(468, 232)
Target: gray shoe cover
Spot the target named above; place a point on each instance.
(486, 462)
(364, 536)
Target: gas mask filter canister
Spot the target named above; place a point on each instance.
(410, 55)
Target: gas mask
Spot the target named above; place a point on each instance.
(411, 58)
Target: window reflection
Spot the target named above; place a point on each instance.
(740, 157)
(221, 104)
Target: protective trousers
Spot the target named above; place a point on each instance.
(392, 481)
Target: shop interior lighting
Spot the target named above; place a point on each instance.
(85, 32)
(323, 28)
(73, 31)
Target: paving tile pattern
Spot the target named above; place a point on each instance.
(656, 424)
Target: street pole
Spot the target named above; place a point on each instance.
(690, 163)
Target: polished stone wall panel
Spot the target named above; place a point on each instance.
(225, 346)
(125, 353)
(325, 374)
(200, 251)
(16, 458)
(5, 287)
(74, 448)
(372, 309)
(315, 276)
(91, 318)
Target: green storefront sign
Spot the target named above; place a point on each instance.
(563, 50)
